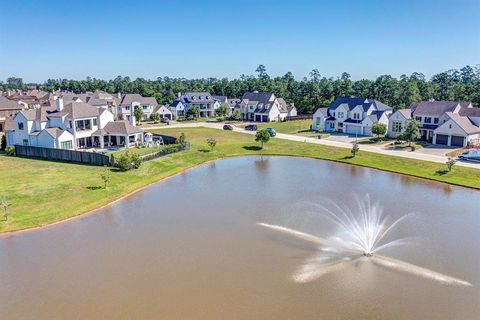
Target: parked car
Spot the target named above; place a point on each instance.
(272, 132)
(165, 120)
(227, 127)
(470, 155)
(251, 127)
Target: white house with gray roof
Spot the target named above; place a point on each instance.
(448, 123)
(72, 126)
(354, 116)
(205, 102)
(264, 107)
(128, 102)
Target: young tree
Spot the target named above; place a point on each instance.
(379, 129)
(236, 115)
(105, 177)
(138, 113)
(355, 149)
(223, 110)
(181, 139)
(4, 205)
(211, 143)
(450, 163)
(411, 131)
(3, 143)
(193, 112)
(262, 136)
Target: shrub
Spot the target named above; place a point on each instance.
(135, 160)
(236, 115)
(123, 161)
(3, 143)
(10, 151)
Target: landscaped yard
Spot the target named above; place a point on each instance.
(42, 192)
(300, 127)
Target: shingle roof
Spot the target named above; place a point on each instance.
(365, 103)
(7, 104)
(324, 111)
(464, 123)
(54, 132)
(407, 113)
(121, 127)
(197, 97)
(435, 108)
(134, 97)
(77, 110)
(469, 112)
(261, 97)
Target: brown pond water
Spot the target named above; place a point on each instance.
(189, 248)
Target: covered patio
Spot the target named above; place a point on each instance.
(118, 134)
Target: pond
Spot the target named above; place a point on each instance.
(191, 247)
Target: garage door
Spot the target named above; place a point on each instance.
(457, 141)
(353, 130)
(442, 139)
(258, 118)
(367, 131)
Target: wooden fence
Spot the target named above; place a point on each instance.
(301, 117)
(63, 155)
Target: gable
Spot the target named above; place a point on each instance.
(450, 127)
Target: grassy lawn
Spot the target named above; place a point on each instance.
(374, 141)
(42, 192)
(300, 127)
(139, 151)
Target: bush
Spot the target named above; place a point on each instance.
(135, 160)
(10, 151)
(123, 161)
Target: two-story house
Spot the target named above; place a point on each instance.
(8, 109)
(354, 116)
(449, 123)
(264, 107)
(128, 103)
(75, 125)
(204, 101)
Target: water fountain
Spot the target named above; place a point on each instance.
(362, 233)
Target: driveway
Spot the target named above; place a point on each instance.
(435, 150)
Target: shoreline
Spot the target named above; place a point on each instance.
(6, 234)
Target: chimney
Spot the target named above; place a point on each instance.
(59, 104)
(179, 94)
(132, 121)
(119, 95)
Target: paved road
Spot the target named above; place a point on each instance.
(339, 144)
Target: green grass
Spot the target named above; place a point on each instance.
(44, 192)
(139, 151)
(300, 127)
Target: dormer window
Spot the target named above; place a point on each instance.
(193, 97)
(435, 120)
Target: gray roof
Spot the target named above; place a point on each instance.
(469, 112)
(222, 99)
(435, 108)
(121, 127)
(324, 111)
(54, 132)
(7, 104)
(133, 97)
(468, 126)
(407, 113)
(196, 97)
(37, 114)
(376, 115)
(365, 103)
(77, 110)
(261, 97)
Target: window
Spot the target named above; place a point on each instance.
(339, 114)
(419, 119)
(332, 125)
(435, 120)
(428, 120)
(66, 145)
(319, 121)
(450, 126)
(25, 142)
(356, 116)
(20, 126)
(83, 125)
(145, 107)
(397, 126)
(70, 124)
(127, 108)
(95, 121)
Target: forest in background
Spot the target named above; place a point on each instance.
(308, 93)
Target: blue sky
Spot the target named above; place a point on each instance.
(210, 38)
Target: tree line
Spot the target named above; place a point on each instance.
(308, 93)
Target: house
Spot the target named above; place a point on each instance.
(431, 114)
(75, 125)
(204, 101)
(354, 116)
(8, 109)
(449, 123)
(164, 112)
(129, 102)
(177, 108)
(397, 122)
(264, 107)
